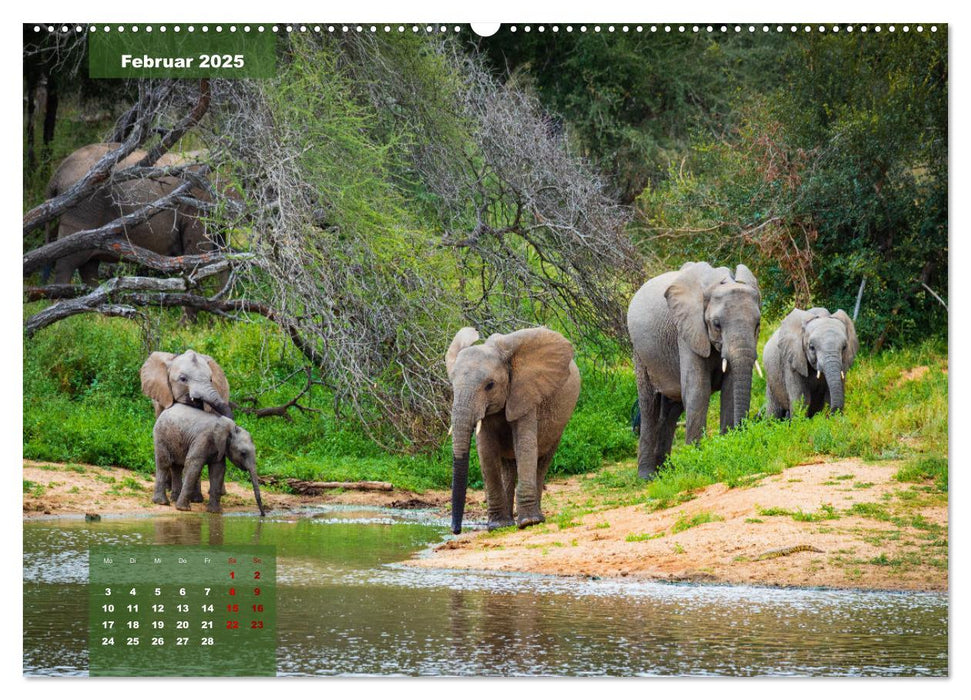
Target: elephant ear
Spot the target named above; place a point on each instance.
(463, 339)
(155, 379)
(852, 343)
(745, 276)
(219, 381)
(686, 300)
(790, 342)
(539, 363)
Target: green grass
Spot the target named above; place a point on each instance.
(924, 469)
(83, 404)
(644, 537)
(684, 522)
(825, 512)
(34, 489)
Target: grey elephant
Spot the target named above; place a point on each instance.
(807, 359)
(189, 378)
(187, 439)
(177, 230)
(694, 331)
(516, 392)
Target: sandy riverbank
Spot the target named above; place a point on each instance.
(842, 524)
(839, 524)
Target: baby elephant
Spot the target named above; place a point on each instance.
(188, 438)
(807, 359)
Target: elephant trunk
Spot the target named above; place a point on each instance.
(741, 392)
(461, 445)
(256, 489)
(208, 395)
(833, 372)
(739, 362)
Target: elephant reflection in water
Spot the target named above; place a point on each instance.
(182, 530)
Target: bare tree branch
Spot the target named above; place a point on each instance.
(38, 216)
(99, 237)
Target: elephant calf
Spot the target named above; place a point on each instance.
(189, 438)
(806, 360)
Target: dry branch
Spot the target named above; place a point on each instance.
(282, 410)
(101, 171)
(313, 488)
(100, 237)
(175, 133)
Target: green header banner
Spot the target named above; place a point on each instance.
(182, 51)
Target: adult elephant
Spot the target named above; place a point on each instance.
(806, 361)
(176, 230)
(190, 378)
(517, 393)
(694, 332)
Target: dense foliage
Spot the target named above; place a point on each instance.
(397, 188)
(819, 159)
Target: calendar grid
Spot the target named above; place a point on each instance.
(170, 610)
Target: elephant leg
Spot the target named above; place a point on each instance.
(695, 394)
(490, 462)
(509, 486)
(89, 273)
(163, 463)
(667, 424)
(818, 400)
(217, 476)
(798, 392)
(649, 402)
(773, 408)
(727, 404)
(527, 488)
(195, 489)
(193, 469)
(174, 478)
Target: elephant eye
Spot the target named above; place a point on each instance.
(489, 385)
(182, 377)
(716, 323)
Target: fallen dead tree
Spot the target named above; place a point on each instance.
(314, 488)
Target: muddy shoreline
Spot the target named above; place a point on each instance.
(841, 525)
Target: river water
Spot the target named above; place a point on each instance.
(346, 608)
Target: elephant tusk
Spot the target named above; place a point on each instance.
(724, 365)
(819, 374)
(758, 368)
(842, 375)
(450, 431)
(478, 427)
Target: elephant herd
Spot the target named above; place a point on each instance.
(694, 331)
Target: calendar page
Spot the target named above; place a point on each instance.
(524, 349)
(171, 610)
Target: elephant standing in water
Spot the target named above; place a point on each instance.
(516, 392)
(694, 332)
(188, 438)
(806, 360)
(190, 378)
(175, 230)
